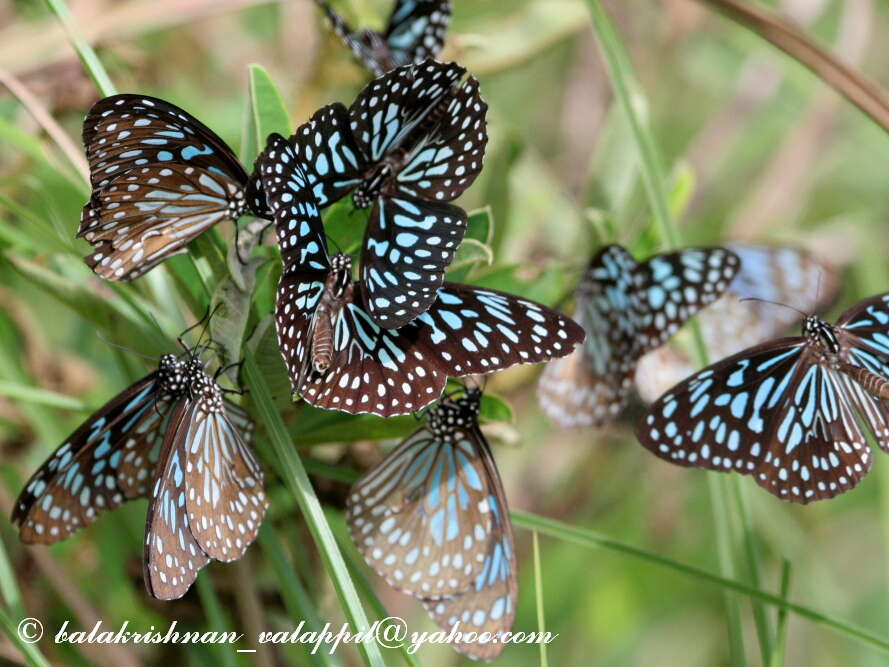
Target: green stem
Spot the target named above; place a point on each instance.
(781, 635)
(291, 469)
(85, 52)
(30, 651)
(9, 588)
(631, 99)
(590, 539)
(538, 594)
(721, 516)
(215, 618)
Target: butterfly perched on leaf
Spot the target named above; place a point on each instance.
(159, 179)
(171, 437)
(432, 520)
(413, 140)
(627, 308)
(791, 412)
(415, 31)
(338, 358)
(778, 274)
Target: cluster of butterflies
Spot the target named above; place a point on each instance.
(432, 517)
(791, 412)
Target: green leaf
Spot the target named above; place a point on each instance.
(268, 113)
(88, 57)
(26, 394)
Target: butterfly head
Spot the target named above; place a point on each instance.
(171, 374)
(451, 414)
(822, 333)
(340, 277)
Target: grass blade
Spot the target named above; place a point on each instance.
(631, 99)
(781, 635)
(215, 618)
(30, 651)
(291, 469)
(85, 52)
(538, 593)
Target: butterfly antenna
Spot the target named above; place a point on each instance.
(126, 349)
(818, 289)
(774, 303)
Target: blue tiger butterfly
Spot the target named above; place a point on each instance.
(415, 31)
(160, 178)
(413, 140)
(432, 520)
(338, 358)
(171, 437)
(742, 316)
(627, 308)
(791, 412)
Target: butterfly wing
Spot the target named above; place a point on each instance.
(489, 605)
(297, 219)
(417, 29)
(392, 106)
(126, 131)
(332, 161)
(104, 463)
(449, 157)
(422, 518)
(773, 412)
(774, 273)
(172, 556)
(149, 214)
(669, 289)
(225, 501)
(407, 248)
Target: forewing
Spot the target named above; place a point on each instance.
(669, 289)
(172, 557)
(328, 154)
(297, 219)
(407, 248)
(149, 214)
(225, 499)
(126, 131)
(105, 462)
(721, 417)
(393, 105)
(417, 29)
(297, 299)
(421, 518)
(489, 605)
(448, 159)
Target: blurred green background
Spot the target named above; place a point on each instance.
(756, 147)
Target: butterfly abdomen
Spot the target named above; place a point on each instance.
(337, 291)
(873, 384)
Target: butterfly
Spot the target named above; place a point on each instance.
(338, 358)
(627, 308)
(174, 438)
(413, 140)
(160, 178)
(789, 412)
(778, 274)
(416, 30)
(432, 520)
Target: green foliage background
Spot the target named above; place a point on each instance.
(746, 145)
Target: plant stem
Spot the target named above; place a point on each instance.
(631, 99)
(781, 33)
(291, 469)
(85, 52)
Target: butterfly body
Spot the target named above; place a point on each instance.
(432, 520)
(338, 291)
(790, 412)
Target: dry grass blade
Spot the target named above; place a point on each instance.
(782, 33)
